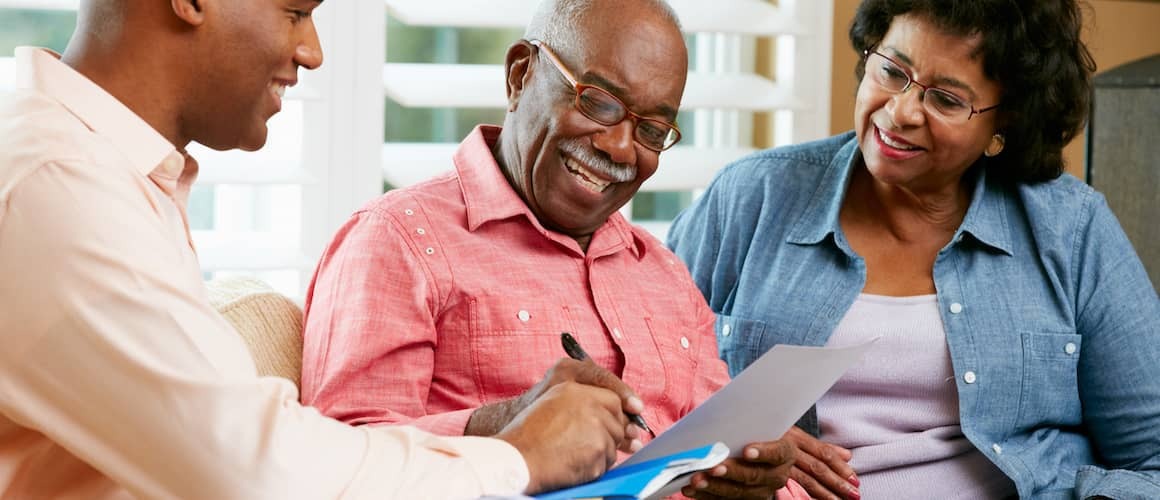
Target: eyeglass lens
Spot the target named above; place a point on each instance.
(606, 109)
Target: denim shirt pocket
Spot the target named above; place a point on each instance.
(1050, 387)
(740, 341)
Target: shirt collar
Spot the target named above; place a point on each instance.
(820, 218)
(146, 149)
(489, 197)
(986, 218)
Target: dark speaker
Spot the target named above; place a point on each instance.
(1123, 152)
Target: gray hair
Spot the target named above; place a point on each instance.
(555, 21)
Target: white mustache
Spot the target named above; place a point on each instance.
(617, 172)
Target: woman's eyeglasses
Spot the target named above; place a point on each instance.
(893, 77)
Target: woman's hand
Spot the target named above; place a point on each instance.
(759, 472)
(822, 468)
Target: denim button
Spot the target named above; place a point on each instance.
(998, 449)
(726, 330)
(969, 377)
(1069, 348)
(956, 308)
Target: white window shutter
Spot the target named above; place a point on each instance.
(326, 155)
(722, 89)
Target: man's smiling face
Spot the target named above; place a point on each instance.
(574, 172)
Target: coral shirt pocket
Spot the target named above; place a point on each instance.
(513, 346)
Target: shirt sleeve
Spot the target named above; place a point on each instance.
(370, 332)
(111, 350)
(1118, 317)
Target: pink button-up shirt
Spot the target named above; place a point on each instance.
(117, 378)
(439, 298)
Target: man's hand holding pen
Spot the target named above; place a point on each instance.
(578, 399)
(585, 422)
(574, 351)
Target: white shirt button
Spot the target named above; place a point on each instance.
(726, 330)
(523, 316)
(409, 212)
(685, 342)
(616, 332)
(1069, 348)
(421, 231)
(956, 308)
(969, 377)
(998, 449)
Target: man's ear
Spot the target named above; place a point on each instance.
(189, 11)
(517, 67)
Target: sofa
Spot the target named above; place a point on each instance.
(269, 322)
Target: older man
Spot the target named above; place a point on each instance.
(439, 305)
(117, 378)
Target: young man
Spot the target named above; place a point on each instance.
(117, 378)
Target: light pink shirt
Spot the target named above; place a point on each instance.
(117, 378)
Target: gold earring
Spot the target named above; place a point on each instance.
(996, 145)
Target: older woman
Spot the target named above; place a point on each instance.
(1017, 330)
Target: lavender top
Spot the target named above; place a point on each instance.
(898, 410)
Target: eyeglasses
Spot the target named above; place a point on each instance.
(602, 107)
(944, 104)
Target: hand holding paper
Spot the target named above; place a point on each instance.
(759, 472)
(759, 405)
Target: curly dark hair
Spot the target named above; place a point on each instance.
(1032, 48)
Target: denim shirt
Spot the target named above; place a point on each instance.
(1052, 323)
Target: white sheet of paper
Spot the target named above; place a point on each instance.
(760, 403)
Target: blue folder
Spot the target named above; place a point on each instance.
(646, 478)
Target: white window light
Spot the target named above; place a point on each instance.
(722, 90)
(326, 156)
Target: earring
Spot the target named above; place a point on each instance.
(996, 145)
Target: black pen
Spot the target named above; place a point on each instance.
(577, 353)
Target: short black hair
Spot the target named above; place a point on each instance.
(1032, 48)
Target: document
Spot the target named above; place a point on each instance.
(760, 404)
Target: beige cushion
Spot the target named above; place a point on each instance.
(269, 322)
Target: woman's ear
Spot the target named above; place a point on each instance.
(517, 67)
(998, 142)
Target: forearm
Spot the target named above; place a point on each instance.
(490, 419)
